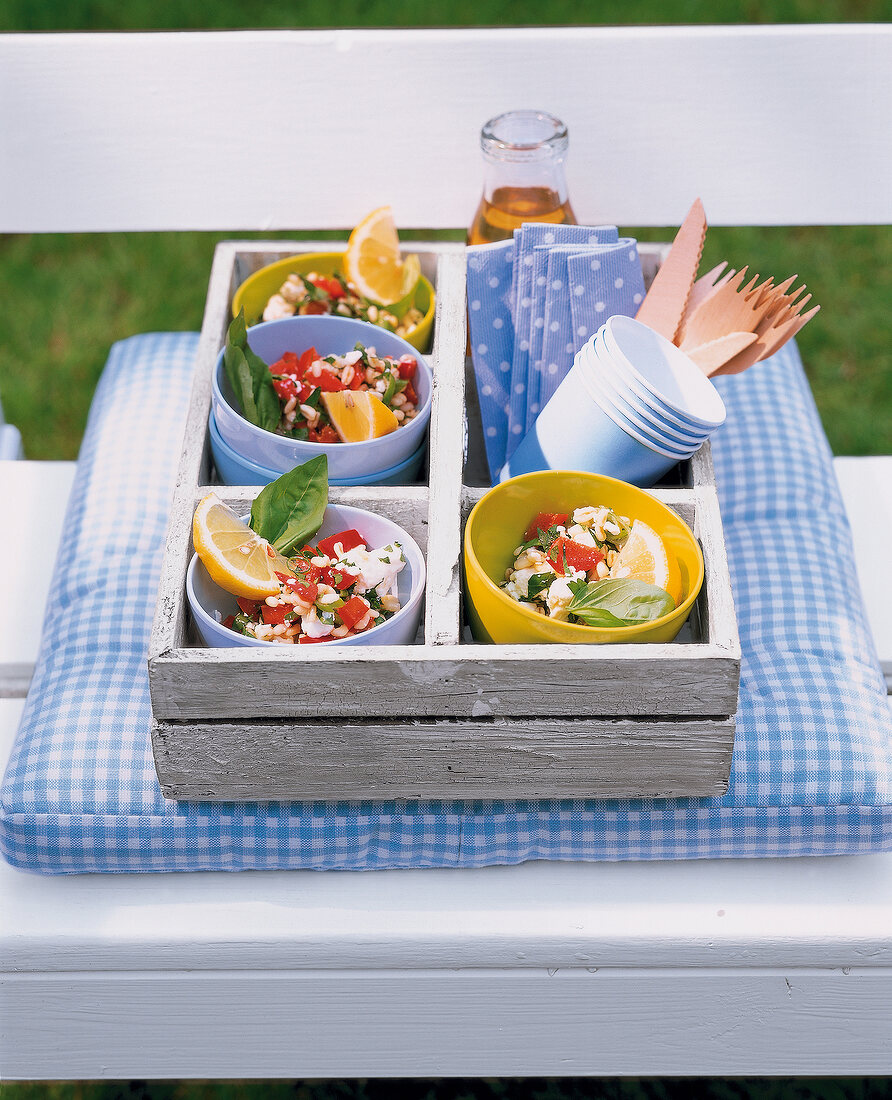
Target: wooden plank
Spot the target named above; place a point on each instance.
(460, 681)
(35, 499)
(113, 134)
(435, 1023)
(446, 456)
(444, 758)
(866, 485)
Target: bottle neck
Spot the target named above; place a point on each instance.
(541, 175)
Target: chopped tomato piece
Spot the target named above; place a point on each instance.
(338, 578)
(327, 434)
(347, 539)
(228, 621)
(358, 377)
(307, 593)
(286, 365)
(410, 393)
(274, 615)
(285, 388)
(353, 612)
(309, 572)
(247, 606)
(307, 359)
(305, 639)
(327, 381)
(407, 366)
(543, 521)
(576, 554)
(331, 287)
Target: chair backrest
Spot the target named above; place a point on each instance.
(284, 129)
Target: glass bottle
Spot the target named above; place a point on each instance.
(523, 178)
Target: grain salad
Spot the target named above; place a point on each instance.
(559, 549)
(339, 588)
(316, 293)
(301, 380)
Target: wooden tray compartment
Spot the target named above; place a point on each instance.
(444, 718)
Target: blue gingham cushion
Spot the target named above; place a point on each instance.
(812, 770)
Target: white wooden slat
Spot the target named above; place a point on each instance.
(212, 130)
(35, 496)
(866, 485)
(433, 1024)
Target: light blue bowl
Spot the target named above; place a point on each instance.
(210, 604)
(232, 469)
(573, 432)
(330, 336)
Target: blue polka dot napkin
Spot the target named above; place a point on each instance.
(530, 300)
(530, 238)
(491, 329)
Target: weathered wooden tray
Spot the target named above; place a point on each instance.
(446, 717)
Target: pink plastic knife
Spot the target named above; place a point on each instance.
(664, 304)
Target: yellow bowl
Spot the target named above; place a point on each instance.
(496, 526)
(257, 289)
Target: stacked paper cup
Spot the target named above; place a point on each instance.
(631, 407)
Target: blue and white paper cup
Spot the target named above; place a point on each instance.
(669, 381)
(578, 431)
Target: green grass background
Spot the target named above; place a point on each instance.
(68, 298)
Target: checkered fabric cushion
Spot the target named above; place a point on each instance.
(812, 770)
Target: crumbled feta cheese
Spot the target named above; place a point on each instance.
(375, 568)
(559, 597)
(313, 627)
(581, 534)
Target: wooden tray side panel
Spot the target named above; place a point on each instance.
(542, 758)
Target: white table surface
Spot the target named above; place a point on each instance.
(716, 967)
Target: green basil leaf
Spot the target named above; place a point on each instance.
(289, 511)
(395, 385)
(618, 601)
(239, 374)
(539, 582)
(250, 378)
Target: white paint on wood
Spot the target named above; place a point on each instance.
(35, 499)
(446, 456)
(95, 127)
(423, 1023)
(866, 485)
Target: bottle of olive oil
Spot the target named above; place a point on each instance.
(523, 178)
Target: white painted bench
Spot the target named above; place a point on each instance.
(682, 968)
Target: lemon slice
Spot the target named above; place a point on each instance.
(644, 557)
(372, 260)
(359, 415)
(235, 557)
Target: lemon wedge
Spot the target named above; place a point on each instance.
(645, 558)
(372, 260)
(359, 415)
(235, 557)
